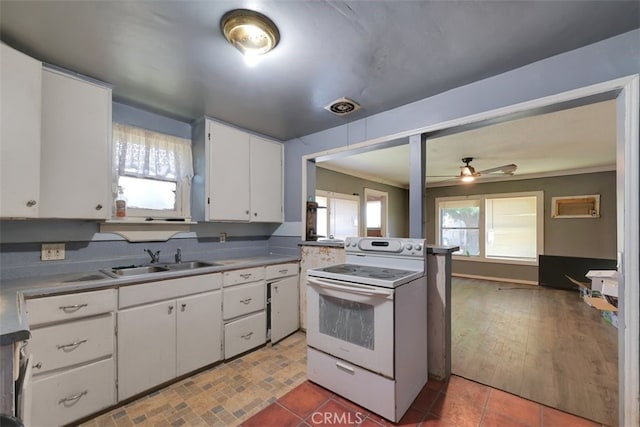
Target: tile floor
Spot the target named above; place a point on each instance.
(458, 402)
(268, 387)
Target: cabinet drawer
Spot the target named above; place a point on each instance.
(281, 270)
(71, 343)
(167, 289)
(245, 334)
(72, 306)
(243, 299)
(247, 275)
(67, 396)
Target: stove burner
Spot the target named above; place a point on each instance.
(341, 269)
(381, 276)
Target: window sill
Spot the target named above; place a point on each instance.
(139, 230)
(513, 261)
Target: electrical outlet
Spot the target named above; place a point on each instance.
(223, 237)
(52, 251)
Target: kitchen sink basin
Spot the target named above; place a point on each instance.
(190, 265)
(134, 271)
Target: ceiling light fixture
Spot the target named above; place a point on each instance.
(467, 173)
(250, 32)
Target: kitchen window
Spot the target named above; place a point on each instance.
(338, 214)
(154, 171)
(504, 228)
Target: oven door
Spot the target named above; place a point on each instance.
(353, 322)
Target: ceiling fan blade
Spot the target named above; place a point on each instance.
(442, 176)
(506, 169)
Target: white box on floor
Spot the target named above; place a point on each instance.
(604, 281)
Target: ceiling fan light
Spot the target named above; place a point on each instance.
(468, 178)
(252, 33)
(465, 172)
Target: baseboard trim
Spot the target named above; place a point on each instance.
(495, 279)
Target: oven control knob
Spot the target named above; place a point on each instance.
(418, 247)
(409, 246)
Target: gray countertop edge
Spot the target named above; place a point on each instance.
(13, 322)
(436, 250)
(327, 244)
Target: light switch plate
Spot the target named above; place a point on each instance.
(52, 251)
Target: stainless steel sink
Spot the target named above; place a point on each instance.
(190, 265)
(134, 271)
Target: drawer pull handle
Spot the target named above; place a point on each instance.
(72, 308)
(72, 346)
(246, 300)
(170, 309)
(345, 367)
(68, 401)
(246, 275)
(183, 307)
(37, 365)
(283, 271)
(247, 335)
(31, 203)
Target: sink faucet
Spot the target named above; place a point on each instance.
(178, 255)
(155, 256)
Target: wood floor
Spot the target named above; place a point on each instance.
(542, 344)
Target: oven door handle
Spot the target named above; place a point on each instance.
(340, 286)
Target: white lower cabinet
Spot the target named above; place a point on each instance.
(243, 308)
(69, 395)
(285, 314)
(244, 334)
(160, 340)
(146, 347)
(199, 331)
(71, 352)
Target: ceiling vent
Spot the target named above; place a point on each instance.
(343, 106)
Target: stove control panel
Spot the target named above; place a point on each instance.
(390, 246)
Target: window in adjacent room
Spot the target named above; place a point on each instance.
(154, 171)
(338, 214)
(376, 213)
(495, 227)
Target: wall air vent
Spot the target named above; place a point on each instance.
(343, 106)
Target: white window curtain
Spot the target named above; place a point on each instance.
(146, 154)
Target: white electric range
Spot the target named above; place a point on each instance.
(367, 324)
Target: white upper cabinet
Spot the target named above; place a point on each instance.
(238, 175)
(75, 179)
(229, 173)
(266, 180)
(21, 81)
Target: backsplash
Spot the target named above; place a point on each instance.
(19, 260)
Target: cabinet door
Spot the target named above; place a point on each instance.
(199, 331)
(146, 347)
(266, 180)
(75, 179)
(285, 314)
(21, 80)
(229, 174)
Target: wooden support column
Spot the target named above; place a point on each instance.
(417, 169)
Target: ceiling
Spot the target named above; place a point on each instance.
(170, 56)
(576, 140)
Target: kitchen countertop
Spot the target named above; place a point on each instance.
(13, 322)
(333, 243)
(438, 250)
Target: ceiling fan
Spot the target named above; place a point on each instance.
(468, 173)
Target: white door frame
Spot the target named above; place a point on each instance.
(626, 91)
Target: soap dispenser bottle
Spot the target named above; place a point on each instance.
(121, 204)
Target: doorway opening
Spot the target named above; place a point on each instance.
(376, 211)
